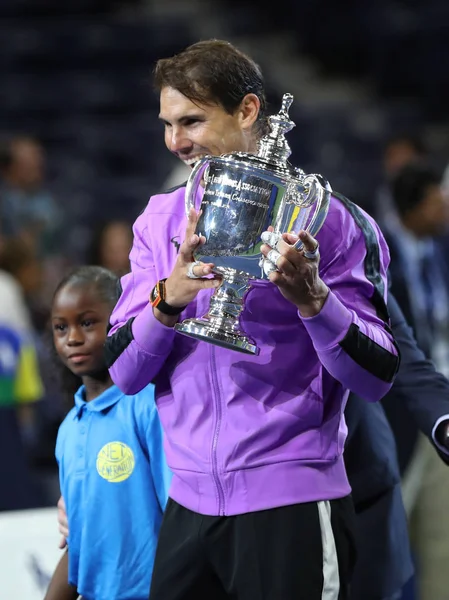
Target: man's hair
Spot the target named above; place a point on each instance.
(411, 184)
(214, 72)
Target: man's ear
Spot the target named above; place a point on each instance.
(249, 111)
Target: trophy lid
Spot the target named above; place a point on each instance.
(273, 150)
(273, 147)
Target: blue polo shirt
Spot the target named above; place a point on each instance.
(114, 480)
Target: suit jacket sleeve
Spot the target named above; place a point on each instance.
(421, 389)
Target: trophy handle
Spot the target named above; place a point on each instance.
(193, 183)
(321, 188)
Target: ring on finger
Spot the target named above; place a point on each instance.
(273, 256)
(311, 254)
(268, 267)
(191, 272)
(271, 238)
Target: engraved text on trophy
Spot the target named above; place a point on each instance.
(236, 209)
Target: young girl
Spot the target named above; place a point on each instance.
(112, 470)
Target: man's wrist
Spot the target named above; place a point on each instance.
(315, 304)
(167, 320)
(158, 299)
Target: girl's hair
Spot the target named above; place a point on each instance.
(105, 281)
(107, 285)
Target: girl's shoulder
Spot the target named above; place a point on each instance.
(68, 424)
(144, 401)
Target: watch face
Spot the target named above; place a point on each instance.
(155, 293)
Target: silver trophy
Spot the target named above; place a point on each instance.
(243, 195)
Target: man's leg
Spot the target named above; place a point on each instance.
(181, 570)
(429, 525)
(299, 552)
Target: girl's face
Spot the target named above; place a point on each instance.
(79, 322)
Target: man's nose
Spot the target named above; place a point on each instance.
(179, 142)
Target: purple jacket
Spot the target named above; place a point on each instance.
(247, 433)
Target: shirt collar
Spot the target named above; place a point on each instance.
(105, 400)
(414, 248)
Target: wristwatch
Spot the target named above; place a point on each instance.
(157, 300)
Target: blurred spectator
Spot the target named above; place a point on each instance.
(20, 389)
(419, 275)
(21, 265)
(18, 259)
(29, 211)
(110, 246)
(399, 151)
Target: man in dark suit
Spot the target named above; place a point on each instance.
(384, 563)
(419, 280)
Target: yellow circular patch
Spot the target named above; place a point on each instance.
(115, 462)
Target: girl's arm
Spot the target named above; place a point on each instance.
(59, 587)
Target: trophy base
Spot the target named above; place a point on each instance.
(202, 329)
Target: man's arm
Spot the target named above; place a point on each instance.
(422, 389)
(141, 336)
(137, 344)
(340, 293)
(59, 587)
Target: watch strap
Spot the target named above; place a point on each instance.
(157, 300)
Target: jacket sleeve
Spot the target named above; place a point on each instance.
(161, 473)
(351, 333)
(137, 344)
(419, 388)
(151, 436)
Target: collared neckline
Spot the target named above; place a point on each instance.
(105, 400)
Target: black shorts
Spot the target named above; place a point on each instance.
(298, 552)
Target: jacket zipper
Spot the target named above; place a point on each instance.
(217, 400)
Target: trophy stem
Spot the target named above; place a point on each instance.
(221, 325)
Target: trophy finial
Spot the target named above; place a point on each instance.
(274, 146)
(287, 100)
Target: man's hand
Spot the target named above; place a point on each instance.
(296, 273)
(63, 524)
(180, 289)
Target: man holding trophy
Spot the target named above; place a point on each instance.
(254, 331)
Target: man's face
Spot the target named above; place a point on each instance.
(431, 216)
(27, 169)
(193, 131)
(397, 156)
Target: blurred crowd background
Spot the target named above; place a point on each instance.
(81, 150)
